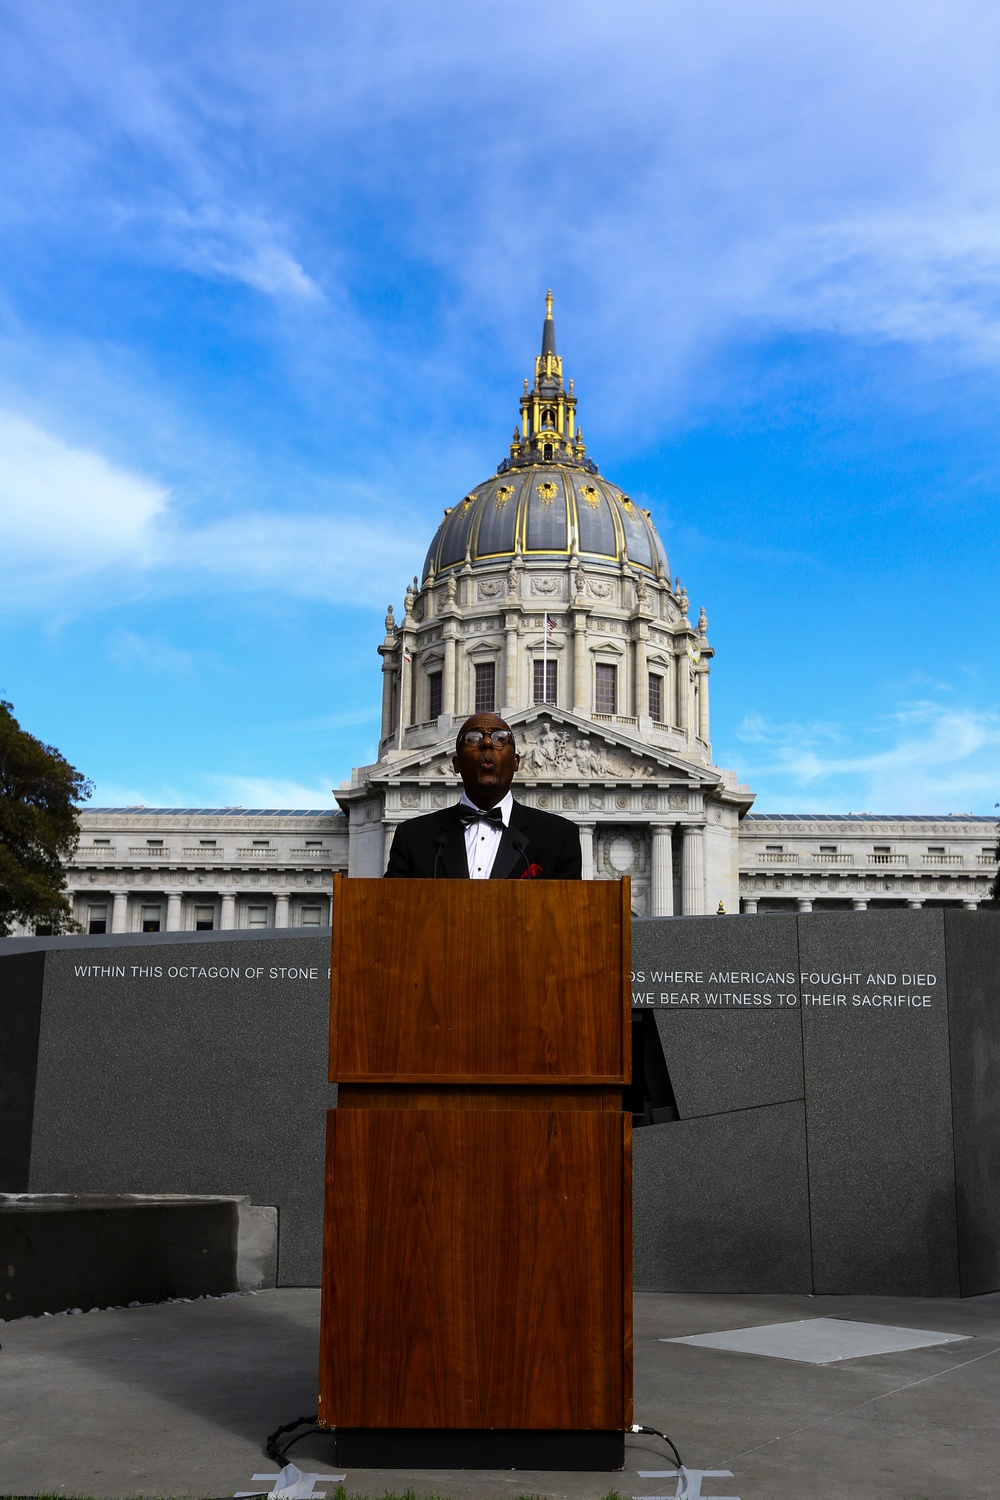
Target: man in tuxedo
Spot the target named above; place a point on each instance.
(486, 835)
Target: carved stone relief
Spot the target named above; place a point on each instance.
(601, 588)
(621, 851)
(492, 588)
(677, 799)
(546, 585)
(409, 799)
(547, 752)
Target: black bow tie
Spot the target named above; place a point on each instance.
(469, 815)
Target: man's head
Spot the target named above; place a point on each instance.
(486, 769)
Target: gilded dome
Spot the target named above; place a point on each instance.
(547, 500)
(546, 511)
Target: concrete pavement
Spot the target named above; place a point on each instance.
(176, 1400)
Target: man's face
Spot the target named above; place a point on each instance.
(487, 770)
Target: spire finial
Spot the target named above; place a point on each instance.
(548, 328)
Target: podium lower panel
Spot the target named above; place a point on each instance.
(471, 1448)
(477, 1283)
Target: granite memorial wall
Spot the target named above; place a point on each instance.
(832, 1121)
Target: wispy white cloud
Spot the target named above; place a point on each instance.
(264, 791)
(142, 653)
(81, 530)
(69, 517)
(209, 789)
(923, 758)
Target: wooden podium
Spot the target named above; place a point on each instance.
(477, 1247)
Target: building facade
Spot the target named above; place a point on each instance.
(546, 596)
(139, 869)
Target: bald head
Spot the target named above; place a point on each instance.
(486, 769)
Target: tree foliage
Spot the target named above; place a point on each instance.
(39, 828)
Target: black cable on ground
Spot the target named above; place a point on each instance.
(655, 1432)
(279, 1451)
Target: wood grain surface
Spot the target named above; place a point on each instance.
(480, 980)
(477, 1269)
(478, 1096)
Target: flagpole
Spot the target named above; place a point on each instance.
(545, 659)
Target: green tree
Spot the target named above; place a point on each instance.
(39, 828)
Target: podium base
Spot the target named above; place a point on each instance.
(477, 1448)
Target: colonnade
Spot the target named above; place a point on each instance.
(749, 904)
(174, 903)
(661, 901)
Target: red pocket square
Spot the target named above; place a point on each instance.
(532, 872)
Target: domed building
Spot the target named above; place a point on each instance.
(546, 595)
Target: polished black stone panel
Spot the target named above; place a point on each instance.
(190, 1067)
(196, 1063)
(878, 1103)
(972, 945)
(725, 997)
(721, 1204)
(20, 1015)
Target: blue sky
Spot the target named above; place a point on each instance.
(271, 276)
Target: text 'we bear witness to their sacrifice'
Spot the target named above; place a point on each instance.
(737, 988)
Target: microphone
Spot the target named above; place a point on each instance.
(439, 844)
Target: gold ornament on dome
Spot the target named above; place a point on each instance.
(592, 496)
(626, 502)
(467, 501)
(502, 495)
(546, 492)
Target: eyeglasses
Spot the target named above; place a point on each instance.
(498, 738)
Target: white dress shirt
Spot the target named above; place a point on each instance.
(482, 840)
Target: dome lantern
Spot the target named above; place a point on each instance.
(548, 500)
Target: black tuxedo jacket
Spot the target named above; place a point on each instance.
(435, 845)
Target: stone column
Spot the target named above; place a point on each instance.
(750, 906)
(281, 910)
(405, 687)
(860, 905)
(683, 691)
(389, 833)
(173, 912)
(805, 903)
(448, 681)
(662, 893)
(587, 849)
(640, 698)
(119, 911)
(510, 665)
(388, 670)
(227, 917)
(581, 683)
(703, 704)
(970, 905)
(693, 870)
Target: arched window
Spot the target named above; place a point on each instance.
(548, 450)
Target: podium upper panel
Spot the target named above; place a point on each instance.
(481, 981)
